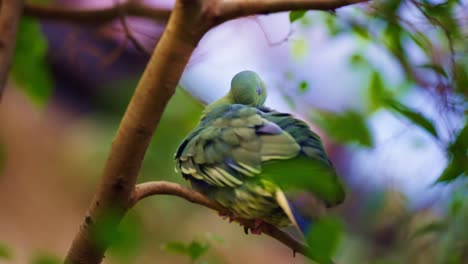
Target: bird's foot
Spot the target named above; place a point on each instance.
(227, 215)
(256, 230)
(257, 227)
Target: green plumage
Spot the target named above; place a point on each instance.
(246, 157)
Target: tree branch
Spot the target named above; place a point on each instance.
(188, 22)
(95, 16)
(163, 187)
(230, 9)
(10, 13)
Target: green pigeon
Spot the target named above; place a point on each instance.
(261, 164)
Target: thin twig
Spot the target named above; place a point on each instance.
(128, 32)
(95, 16)
(169, 188)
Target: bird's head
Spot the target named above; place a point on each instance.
(248, 89)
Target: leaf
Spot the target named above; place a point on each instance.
(215, 237)
(461, 78)
(29, 66)
(299, 48)
(125, 241)
(422, 41)
(361, 31)
(175, 247)
(324, 184)
(296, 15)
(451, 172)
(332, 26)
(196, 249)
(458, 150)
(436, 226)
(377, 91)
(436, 68)
(290, 101)
(349, 126)
(357, 60)
(412, 115)
(5, 252)
(303, 86)
(323, 239)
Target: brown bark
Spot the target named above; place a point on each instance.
(95, 16)
(10, 13)
(154, 90)
(189, 21)
(168, 188)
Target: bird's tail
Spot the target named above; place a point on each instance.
(300, 221)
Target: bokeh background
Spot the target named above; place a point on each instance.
(384, 84)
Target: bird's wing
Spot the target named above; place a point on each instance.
(304, 178)
(311, 170)
(231, 143)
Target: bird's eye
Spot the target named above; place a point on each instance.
(259, 89)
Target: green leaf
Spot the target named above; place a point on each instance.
(303, 86)
(324, 184)
(175, 247)
(296, 15)
(29, 68)
(377, 91)
(299, 48)
(461, 78)
(5, 252)
(46, 258)
(357, 60)
(459, 148)
(422, 41)
(453, 170)
(433, 227)
(458, 151)
(361, 31)
(123, 236)
(436, 68)
(196, 249)
(290, 101)
(349, 126)
(412, 115)
(215, 237)
(323, 239)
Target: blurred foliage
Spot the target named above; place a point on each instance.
(346, 127)
(324, 238)
(126, 243)
(458, 151)
(299, 48)
(5, 252)
(414, 116)
(29, 68)
(194, 250)
(303, 86)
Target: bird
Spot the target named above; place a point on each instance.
(260, 164)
